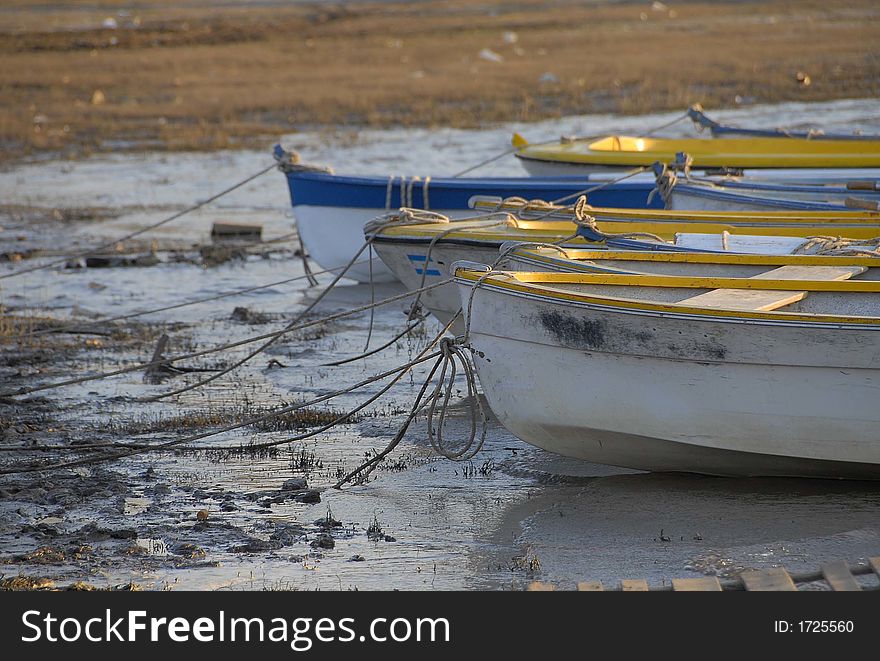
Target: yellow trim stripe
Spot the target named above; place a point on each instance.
(580, 254)
(553, 231)
(666, 215)
(526, 283)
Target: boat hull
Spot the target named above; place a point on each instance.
(331, 210)
(661, 393)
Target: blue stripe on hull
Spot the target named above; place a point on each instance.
(321, 189)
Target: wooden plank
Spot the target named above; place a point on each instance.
(590, 586)
(538, 586)
(875, 565)
(703, 584)
(634, 585)
(227, 231)
(768, 299)
(839, 577)
(768, 580)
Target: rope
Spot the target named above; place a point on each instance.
(491, 159)
(835, 245)
(216, 297)
(584, 220)
(223, 347)
(399, 371)
(454, 354)
(143, 230)
(367, 467)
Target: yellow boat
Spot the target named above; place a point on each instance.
(422, 253)
(569, 156)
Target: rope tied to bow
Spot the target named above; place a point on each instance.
(589, 229)
(455, 354)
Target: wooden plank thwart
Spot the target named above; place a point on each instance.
(768, 580)
(702, 584)
(634, 585)
(840, 578)
(756, 300)
(590, 586)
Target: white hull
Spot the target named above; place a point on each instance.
(664, 393)
(333, 235)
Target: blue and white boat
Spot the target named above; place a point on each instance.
(700, 194)
(718, 130)
(331, 210)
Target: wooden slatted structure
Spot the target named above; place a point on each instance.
(839, 576)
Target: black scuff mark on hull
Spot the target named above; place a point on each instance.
(570, 331)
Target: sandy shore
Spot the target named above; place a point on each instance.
(84, 77)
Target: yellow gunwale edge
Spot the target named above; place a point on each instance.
(526, 283)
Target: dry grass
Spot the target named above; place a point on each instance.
(187, 78)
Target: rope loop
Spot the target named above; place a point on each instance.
(454, 357)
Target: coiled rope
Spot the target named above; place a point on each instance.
(836, 245)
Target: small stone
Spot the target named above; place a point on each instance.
(202, 515)
(295, 484)
(310, 496)
(357, 558)
(323, 541)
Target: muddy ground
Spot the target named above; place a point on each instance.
(219, 514)
(105, 76)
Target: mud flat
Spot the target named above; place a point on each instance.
(218, 514)
(83, 77)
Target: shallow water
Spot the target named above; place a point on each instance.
(513, 515)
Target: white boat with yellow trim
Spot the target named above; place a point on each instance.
(753, 376)
(421, 254)
(616, 152)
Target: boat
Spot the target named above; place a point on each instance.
(422, 253)
(620, 152)
(718, 130)
(774, 375)
(734, 194)
(331, 210)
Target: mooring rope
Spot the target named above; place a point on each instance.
(142, 230)
(398, 371)
(176, 306)
(222, 347)
(301, 315)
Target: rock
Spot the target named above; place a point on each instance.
(202, 515)
(190, 551)
(309, 496)
(288, 535)
(357, 558)
(295, 484)
(323, 541)
(389, 538)
(228, 506)
(257, 546)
